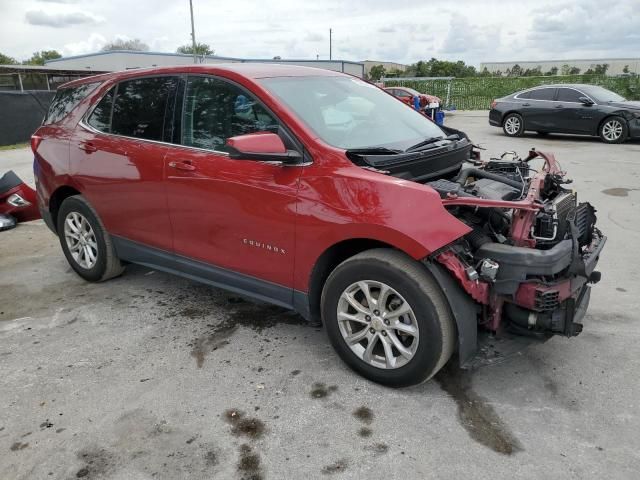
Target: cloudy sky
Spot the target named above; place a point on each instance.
(398, 30)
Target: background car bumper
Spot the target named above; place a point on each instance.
(495, 118)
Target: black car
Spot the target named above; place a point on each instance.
(578, 109)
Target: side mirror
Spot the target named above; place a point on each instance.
(262, 147)
(586, 101)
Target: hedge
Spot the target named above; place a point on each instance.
(477, 93)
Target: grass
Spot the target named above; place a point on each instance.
(13, 147)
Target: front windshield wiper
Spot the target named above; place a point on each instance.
(373, 151)
(428, 141)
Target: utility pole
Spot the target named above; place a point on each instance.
(193, 33)
(330, 31)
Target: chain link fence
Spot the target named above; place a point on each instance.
(477, 93)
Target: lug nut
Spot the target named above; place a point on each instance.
(376, 312)
(371, 330)
(386, 322)
(384, 334)
(367, 318)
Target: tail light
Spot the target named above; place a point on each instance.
(494, 104)
(35, 142)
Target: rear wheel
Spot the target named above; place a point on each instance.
(513, 125)
(387, 318)
(85, 242)
(613, 130)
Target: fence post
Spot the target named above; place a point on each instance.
(46, 75)
(446, 102)
(20, 82)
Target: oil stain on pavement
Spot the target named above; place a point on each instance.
(240, 313)
(618, 191)
(477, 416)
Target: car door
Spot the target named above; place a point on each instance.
(238, 215)
(117, 157)
(573, 116)
(537, 109)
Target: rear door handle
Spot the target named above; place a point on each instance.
(182, 166)
(88, 147)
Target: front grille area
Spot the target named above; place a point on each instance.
(564, 205)
(547, 300)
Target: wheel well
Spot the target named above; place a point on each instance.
(56, 200)
(506, 114)
(328, 261)
(609, 117)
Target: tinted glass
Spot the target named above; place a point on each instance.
(602, 95)
(569, 95)
(215, 110)
(349, 113)
(66, 99)
(140, 106)
(100, 118)
(542, 94)
(524, 96)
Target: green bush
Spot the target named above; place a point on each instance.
(477, 93)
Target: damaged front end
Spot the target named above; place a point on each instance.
(531, 255)
(17, 201)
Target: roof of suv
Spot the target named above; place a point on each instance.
(251, 70)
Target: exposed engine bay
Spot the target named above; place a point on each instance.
(533, 247)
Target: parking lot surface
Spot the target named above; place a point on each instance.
(150, 376)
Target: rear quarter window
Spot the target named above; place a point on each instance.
(67, 99)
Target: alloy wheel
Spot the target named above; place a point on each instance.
(378, 324)
(612, 130)
(512, 125)
(81, 240)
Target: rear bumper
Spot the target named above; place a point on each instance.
(634, 128)
(495, 118)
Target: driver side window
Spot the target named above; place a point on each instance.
(215, 110)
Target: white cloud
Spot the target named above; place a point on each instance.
(59, 20)
(93, 43)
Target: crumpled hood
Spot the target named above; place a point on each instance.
(631, 105)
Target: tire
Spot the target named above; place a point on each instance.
(513, 125)
(613, 130)
(105, 263)
(411, 285)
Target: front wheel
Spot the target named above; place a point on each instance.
(513, 125)
(387, 318)
(613, 130)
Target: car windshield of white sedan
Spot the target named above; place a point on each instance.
(352, 114)
(602, 95)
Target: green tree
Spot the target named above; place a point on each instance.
(565, 69)
(121, 44)
(376, 72)
(533, 72)
(515, 71)
(39, 58)
(201, 49)
(7, 60)
(552, 72)
(625, 69)
(485, 73)
(574, 71)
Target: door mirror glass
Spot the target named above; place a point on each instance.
(262, 146)
(586, 100)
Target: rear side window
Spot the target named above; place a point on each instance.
(66, 100)
(100, 118)
(215, 110)
(140, 107)
(569, 95)
(541, 94)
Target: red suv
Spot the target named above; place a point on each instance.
(319, 192)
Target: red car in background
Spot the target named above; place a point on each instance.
(407, 95)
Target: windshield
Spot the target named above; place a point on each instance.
(350, 113)
(602, 95)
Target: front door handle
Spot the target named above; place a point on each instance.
(182, 166)
(559, 106)
(526, 104)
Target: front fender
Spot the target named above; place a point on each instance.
(353, 203)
